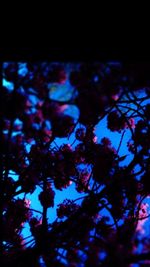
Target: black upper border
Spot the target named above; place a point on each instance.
(74, 54)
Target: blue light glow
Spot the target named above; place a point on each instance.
(8, 85)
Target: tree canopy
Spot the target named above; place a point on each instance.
(46, 101)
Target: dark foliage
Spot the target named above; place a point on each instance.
(31, 114)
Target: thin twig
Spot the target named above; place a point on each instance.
(121, 141)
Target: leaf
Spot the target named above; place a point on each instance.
(60, 92)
